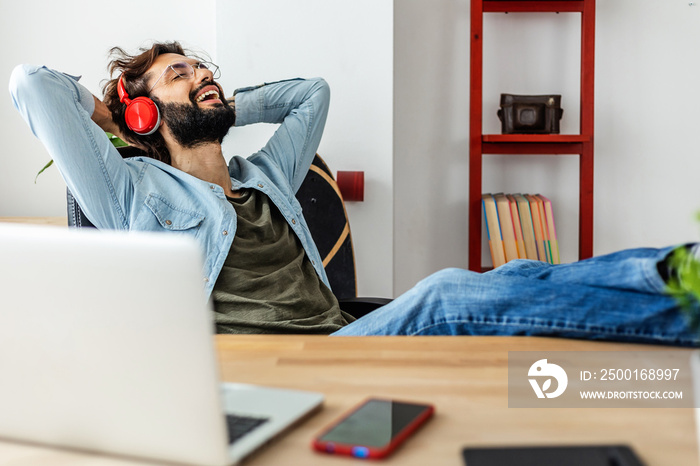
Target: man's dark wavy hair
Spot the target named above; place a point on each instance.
(133, 68)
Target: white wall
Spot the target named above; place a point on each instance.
(350, 44)
(647, 137)
(431, 137)
(646, 142)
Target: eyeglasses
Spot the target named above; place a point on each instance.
(185, 70)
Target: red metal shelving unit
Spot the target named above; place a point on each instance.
(515, 144)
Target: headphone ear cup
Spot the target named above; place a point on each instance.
(142, 116)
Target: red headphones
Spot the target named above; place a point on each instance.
(142, 115)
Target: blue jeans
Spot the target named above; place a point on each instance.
(617, 297)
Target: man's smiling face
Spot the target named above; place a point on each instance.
(191, 103)
(179, 79)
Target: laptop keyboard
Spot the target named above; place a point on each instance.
(239, 425)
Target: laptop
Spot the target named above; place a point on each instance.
(106, 345)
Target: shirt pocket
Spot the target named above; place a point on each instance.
(171, 217)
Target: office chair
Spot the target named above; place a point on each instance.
(324, 210)
(325, 214)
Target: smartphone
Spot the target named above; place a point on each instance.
(373, 429)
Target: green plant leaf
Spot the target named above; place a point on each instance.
(42, 170)
(116, 142)
(684, 286)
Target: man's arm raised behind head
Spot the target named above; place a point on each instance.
(301, 106)
(103, 117)
(60, 113)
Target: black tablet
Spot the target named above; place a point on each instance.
(593, 455)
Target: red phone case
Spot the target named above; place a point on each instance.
(362, 451)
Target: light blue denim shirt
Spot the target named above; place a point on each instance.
(144, 194)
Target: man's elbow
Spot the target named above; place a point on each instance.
(25, 80)
(321, 91)
(322, 87)
(21, 78)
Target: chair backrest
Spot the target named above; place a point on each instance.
(325, 214)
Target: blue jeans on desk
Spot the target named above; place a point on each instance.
(617, 297)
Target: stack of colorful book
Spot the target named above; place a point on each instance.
(520, 226)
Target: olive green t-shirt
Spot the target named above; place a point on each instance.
(267, 283)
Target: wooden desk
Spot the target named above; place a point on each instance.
(52, 221)
(465, 377)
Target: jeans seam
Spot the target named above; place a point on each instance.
(556, 326)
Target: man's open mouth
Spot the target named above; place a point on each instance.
(209, 93)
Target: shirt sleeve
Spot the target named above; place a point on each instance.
(58, 110)
(300, 106)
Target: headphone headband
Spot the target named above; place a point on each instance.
(121, 91)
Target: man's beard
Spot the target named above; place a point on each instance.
(192, 126)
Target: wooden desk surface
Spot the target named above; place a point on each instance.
(464, 377)
(467, 380)
(53, 221)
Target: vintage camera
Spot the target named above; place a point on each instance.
(530, 114)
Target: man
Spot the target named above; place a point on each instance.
(262, 269)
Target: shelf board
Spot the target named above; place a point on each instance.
(540, 6)
(535, 138)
